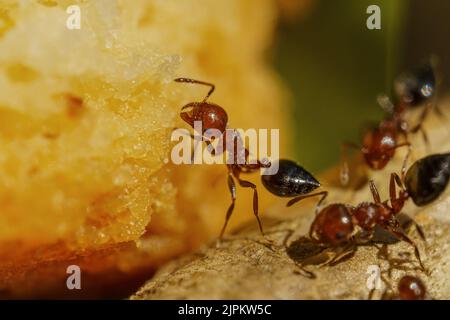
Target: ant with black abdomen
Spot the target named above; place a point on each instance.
(291, 180)
(213, 116)
(379, 144)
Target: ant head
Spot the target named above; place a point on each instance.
(379, 147)
(411, 288)
(333, 225)
(210, 115)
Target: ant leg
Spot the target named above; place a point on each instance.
(419, 230)
(324, 194)
(232, 188)
(347, 252)
(419, 126)
(344, 174)
(394, 180)
(188, 80)
(404, 237)
(248, 184)
(405, 161)
(374, 191)
(302, 271)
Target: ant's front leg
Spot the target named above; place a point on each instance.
(374, 191)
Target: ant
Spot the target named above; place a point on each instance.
(292, 181)
(427, 178)
(343, 226)
(213, 116)
(409, 288)
(380, 143)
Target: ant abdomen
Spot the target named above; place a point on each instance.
(291, 180)
(418, 86)
(427, 178)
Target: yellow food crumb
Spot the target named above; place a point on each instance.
(85, 122)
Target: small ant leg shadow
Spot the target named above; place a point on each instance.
(305, 252)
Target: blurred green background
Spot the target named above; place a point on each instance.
(335, 67)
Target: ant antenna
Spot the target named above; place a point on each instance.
(188, 80)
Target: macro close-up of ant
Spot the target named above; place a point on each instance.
(291, 180)
(212, 116)
(379, 143)
(344, 226)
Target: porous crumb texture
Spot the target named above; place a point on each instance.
(85, 123)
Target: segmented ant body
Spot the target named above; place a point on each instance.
(427, 178)
(212, 116)
(292, 181)
(380, 143)
(343, 226)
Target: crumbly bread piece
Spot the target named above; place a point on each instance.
(85, 122)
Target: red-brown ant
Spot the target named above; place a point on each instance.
(343, 226)
(409, 288)
(212, 116)
(379, 143)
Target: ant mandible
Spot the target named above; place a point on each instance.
(343, 226)
(213, 116)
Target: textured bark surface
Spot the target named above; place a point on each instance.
(242, 267)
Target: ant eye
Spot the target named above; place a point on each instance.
(340, 235)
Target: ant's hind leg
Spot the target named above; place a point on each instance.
(324, 194)
(404, 237)
(232, 188)
(248, 184)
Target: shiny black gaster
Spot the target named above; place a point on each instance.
(417, 86)
(427, 178)
(291, 180)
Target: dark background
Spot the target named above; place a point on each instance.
(335, 67)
